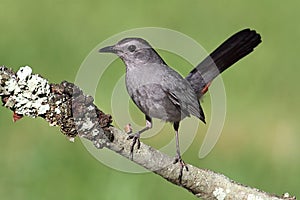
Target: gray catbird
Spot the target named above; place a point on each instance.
(160, 92)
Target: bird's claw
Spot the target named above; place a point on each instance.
(179, 160)
(135, 141)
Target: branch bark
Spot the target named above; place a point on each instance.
(66, 106)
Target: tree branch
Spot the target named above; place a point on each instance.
(66, 106)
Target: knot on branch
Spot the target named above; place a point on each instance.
(75, 113)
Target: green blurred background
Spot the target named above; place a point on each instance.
(258, 145)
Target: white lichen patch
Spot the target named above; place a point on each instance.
(219, 193)
(42, 109)
(91, 107)
(23, 73)
(28, 93)
(254, 197)
(57, 111)
(95, 132)
(71, 139)
(286, 195)
(11, 85)
(58, 102)
(87, 125)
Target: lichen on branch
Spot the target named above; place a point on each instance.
(62, 105)
(66, 106)
(25, 93)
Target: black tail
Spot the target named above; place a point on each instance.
(229, 52)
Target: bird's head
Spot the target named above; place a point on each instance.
(133, 51)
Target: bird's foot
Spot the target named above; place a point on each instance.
(135, 141)
(183, 166)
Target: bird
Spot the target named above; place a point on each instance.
(161, 92)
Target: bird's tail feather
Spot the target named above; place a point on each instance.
(233, 49)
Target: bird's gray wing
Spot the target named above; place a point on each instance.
(182, 96)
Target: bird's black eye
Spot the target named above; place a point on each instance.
(131, 48)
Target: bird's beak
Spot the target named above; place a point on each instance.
(108, 49)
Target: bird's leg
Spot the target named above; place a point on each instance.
(136, 136)
(178, 155)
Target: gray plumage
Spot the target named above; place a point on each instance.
(160, 92)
